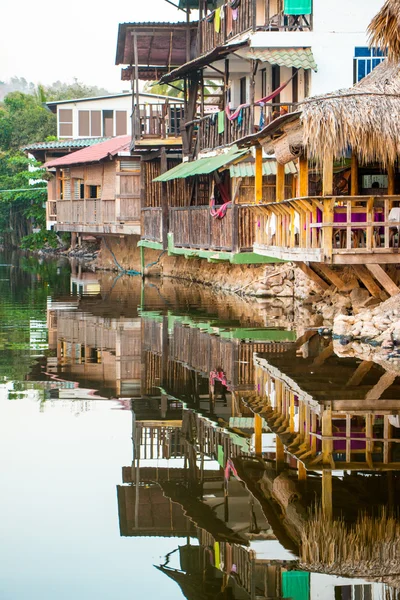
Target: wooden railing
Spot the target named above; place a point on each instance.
(51, 209)
(229, 27)
(247, 123)
(194, 227)
(321, 227)
(152, 224)
(160, 120)
(97, 211)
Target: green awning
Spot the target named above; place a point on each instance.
(300, 58)
(296, 585)
(248, 169)
(202, 166)
(297, 7)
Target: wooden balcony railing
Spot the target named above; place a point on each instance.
(229, 27)
(328, 229)
(158, 120)
(97, 211)
(247, 123)
(152, 224)
(250, 14)
(194, 227)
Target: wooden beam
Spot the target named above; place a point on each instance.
(313, 275)
(280, 182)
(333, 277)
(391, 180)
(366, 278)
(325, 354)
(386, 282)
(258, 175)
(327, 176)
(362, 370)
(301, 471)
(303, 175)
(354, 175)
(258, 434)
(327, 494)
(379, 388)
(280, 453)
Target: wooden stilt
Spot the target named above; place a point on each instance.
(280, 182)
(258, 175)
(303, 175)
(354, 175)
(391, 180)
(258, 434)
(280, 453)
(301, 471)
(327, 494)
(327, 176)
(386, 282)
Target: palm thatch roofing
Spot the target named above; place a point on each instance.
(384, 30)
(365, 118)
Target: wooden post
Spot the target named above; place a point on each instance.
(354, 175)
(327, 176)
(258, 434)
(303, 175)
(391, 180)
(327, 444)
(301, 472)
(258, 175)
(164, 200)
(327, 494)
(73, 240)
(280, 182)
(280, 453)
(136, 135)
(327, 230)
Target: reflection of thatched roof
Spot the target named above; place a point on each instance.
(365, 117)
(384, 29)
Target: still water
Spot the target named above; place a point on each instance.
(164, 441)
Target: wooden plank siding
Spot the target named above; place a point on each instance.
(116, 209)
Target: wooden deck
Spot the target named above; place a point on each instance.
(99, 216)
(336, 230)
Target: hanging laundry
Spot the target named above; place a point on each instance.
(217, 20)
(221, 121)
(240, 118)
(235, 14)
(262, 118)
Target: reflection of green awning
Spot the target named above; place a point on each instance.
(296, 585)
(247, 169)
(297, 7)
(202, 166)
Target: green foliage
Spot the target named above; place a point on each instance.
(67, 91)
(165, 89)
(39, 240)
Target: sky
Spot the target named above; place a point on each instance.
(48, 42)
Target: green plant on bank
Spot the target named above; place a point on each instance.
(39, 240)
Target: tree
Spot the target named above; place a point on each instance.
(67, 91)
(165, 89)
(24, 120)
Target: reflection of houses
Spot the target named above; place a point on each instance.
(99, 352)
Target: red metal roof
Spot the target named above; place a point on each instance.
(93, 153)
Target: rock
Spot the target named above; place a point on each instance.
(359, 296)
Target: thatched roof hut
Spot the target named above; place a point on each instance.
(384, 30)
(365, 118)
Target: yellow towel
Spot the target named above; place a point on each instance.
(217, 20)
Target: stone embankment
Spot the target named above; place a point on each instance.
(372, 334)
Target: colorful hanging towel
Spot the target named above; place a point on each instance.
(220, 212)
(221, 121)
(217, 20)
(235, 14)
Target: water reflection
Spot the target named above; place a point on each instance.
(273, 462)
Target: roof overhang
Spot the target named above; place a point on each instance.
(158, 44)
(202, 166)
(204, 60)
(273, 129)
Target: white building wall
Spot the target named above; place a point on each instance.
(338, 27)
(322, 587)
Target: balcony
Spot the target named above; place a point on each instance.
(158, 121)
(251, 15)
(336, 230)
(99, 216)
(210, 132)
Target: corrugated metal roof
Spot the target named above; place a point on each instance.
(247, 169)
(93, 153)
(300, 58)
(202, 166)
(60, 144)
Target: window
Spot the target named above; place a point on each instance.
(263, 83)
(65, 184)
(242, 91)
(108, 123)
(93, 191)
(365, 60)
(89, 123)
(79, 189)
(95, 123)
(295, 84)
(65, 122)
(84, 123)
(120, 122)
